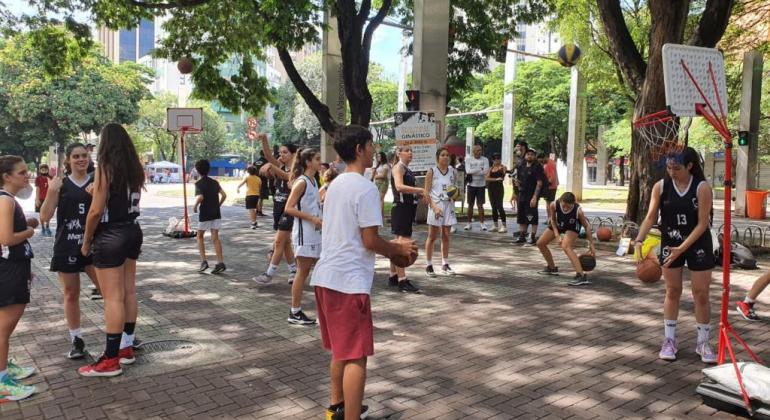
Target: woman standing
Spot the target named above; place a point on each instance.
(405, 197)
(381, 177)
(16, 268)
(441, 210)
(253, 189)
(683, 201)
(41, 191)
(304, 204)
(495, 179)
(112, 229)
(282, 223)
(70, 200)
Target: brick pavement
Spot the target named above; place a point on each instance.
(496, 342)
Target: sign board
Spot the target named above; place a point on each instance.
(418, 130)
(252, 135)
(252, 122)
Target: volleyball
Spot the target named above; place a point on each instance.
(452, 193)
(568, 55)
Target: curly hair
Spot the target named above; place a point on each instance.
(118, 159)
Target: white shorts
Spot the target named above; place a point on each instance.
(308, 251)
(448, 219)
(215, 224)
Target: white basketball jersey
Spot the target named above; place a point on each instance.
(304, 232)
(441, 182)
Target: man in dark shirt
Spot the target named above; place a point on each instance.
(209, 197)
(529, 179)
(265, 189)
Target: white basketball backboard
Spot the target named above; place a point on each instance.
(191, 119)
(681, 93)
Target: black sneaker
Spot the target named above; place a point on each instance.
(522, 239)
(550, 270)
(447, 270)
(429, 271)
(96, 294)
(393, 280)
(219, 268)
(254, 225)
(338, 413)
(300, 319)
(204, 266)
(405, 286)
(292, 274)
(580, 280)
(78, 350)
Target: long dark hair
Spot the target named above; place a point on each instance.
(68, 152)
(7, 163)
(301, 161)
(686, 156)
(118, 160)
(382, 159)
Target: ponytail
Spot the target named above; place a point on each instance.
(300, 163)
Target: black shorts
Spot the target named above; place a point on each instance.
(526, 215)
(115, 242)
(699, 256)
(15, 281)
(402, 219)
(70, 264)
(549, 195)
(476, 194)
(281, 221)
(251, 201)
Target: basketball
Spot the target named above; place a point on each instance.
(401, 261)
(568, 55)
(604, 234)
(587, 261)
(32, 222)
(184, 65)
(649, 271)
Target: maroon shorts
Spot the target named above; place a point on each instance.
(346, 323)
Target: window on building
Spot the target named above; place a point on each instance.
(127, 45)
(146, 37)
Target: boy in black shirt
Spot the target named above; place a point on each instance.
(529, 179)
(209, 198)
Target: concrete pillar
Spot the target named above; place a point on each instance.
(431, 53)
(746, 169)
(601, 157)
(469, 138)
(576, 134)
(509, 112)
(333, 85)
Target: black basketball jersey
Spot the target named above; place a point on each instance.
(409, 180)
(679, 212)
(74, 203)
(22, 251)
(122, 206)
(567, 221)
(282, 188)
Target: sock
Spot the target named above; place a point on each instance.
(749, 300)
(704, 330)
(444, 261)
(271, 269)
(113, 345)
(3, 374)
(129, 327)
(75, 333)
(293, 267)
(430, 263)
(295, 310)
(126, 340)
(670, 328)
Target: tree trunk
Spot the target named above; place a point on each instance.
(622, 173)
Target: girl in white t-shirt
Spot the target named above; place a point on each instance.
(439, 186)
(304, 205)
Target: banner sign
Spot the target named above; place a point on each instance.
(417, 129)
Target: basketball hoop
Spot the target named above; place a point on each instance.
(661, 132)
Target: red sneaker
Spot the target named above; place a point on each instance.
(746, 310)
(102, 367)
(126, 356)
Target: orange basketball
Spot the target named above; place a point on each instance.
(402, 261)
(32, 222)
(649, 271)
(604, 234)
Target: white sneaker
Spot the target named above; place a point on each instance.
(706, 352)
(467, 227)
(503, 229)
(453, 229)
(484, 227)
(263, 278)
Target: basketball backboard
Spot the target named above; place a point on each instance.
(706, 72)
(191, 119)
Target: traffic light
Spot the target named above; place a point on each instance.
(413, 98)
(743, 138)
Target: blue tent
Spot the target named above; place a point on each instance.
(227, 165)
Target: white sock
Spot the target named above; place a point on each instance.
(126, 341)
(295, 310)
(75, 333)
(430, 263)
(271, 269)
(749, 300)
(670, 328)
(704, 331)
(293, 267)
(444, 261)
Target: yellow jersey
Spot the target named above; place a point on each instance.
(253, 185)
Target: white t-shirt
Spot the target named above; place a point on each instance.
(478, 169)
(352, 203)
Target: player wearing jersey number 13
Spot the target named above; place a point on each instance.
(683, 199)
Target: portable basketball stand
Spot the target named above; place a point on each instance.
(184, 120)
(683, 67)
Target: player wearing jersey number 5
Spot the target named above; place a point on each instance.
(441, 210)
(683, 200)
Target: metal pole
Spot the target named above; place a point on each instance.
(184, 181)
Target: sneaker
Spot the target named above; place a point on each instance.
(484, 227)
(78, 350)
(263, 278)
(668, 349)
(10, 390)
(405, 286)
(580, 280)
(467, 227)
(102, 367)
(551, 270)
(219, 268)
(137, 344)
(339, 412)
(532, 239)
(446, 270)
(254, 225)
(96, 294)
(429, 271)
(393, 280)
(453, 229)
(747, 311)
(503, 229)
(300, 319)
(126, 356)
(706, 352)
(19, 372)
(292, 274)
(522, 239)
(204, 266)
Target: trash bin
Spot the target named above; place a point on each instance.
(756, 204)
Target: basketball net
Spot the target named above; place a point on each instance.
(661, 132)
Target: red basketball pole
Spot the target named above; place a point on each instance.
(182, 130)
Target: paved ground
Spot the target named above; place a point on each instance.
(497, 341)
